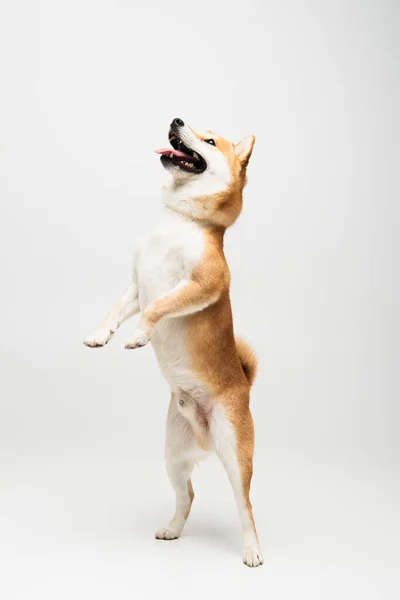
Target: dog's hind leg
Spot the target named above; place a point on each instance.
(232, 434)
(181, 453)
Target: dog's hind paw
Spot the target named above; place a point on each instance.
(252, 557)
(166, 534)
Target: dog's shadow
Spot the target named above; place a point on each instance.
(124, 521)
(201, 528)
(206, 531)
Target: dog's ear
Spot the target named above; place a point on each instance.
(244, 149)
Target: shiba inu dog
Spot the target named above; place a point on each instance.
(181, 287)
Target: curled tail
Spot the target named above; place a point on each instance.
(247, 359)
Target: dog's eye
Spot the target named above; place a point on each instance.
(210, 141)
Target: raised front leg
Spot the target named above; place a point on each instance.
(187, 297)
(126, 307)
(207, 281)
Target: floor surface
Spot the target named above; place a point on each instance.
(86, 531)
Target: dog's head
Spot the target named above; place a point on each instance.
(208, 173)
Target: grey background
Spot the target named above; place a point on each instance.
(88, 91)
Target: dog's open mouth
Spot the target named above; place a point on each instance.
(181, 156)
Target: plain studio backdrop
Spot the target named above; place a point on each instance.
(88, 89)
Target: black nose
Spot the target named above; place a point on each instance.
(177, 122)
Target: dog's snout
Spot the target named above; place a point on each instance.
(177, 123)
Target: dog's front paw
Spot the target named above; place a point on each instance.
(140, 338)
(99, 338)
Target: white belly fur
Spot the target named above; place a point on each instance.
(166, 257)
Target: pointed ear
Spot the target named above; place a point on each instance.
(244, 149)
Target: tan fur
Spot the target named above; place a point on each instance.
(248, 359)
(191, 496)
(242, 422)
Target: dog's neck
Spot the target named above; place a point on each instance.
(203, 209)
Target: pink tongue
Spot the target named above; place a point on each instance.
(169, 151)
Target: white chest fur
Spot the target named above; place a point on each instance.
(164, 259)
(167, 256)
